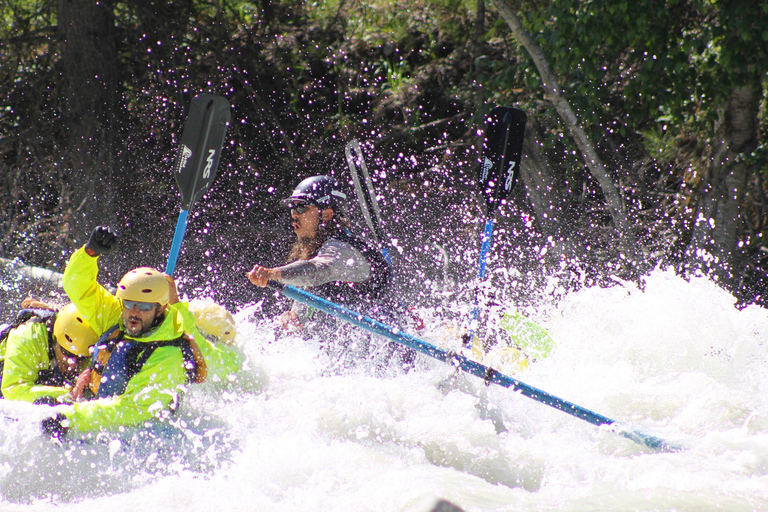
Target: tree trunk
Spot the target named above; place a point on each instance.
(718, 216)
(479, 29)
(91, 108)
(554, 92)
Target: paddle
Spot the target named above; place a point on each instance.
(489, 375)
(198, 158)
(366, 194)
(501, 154)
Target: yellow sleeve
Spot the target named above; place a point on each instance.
(148, 396)
(26, 355)
(95, 303)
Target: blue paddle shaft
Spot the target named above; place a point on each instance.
(485, 247)
(463, 363)
(178, 237)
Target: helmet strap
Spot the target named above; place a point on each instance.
(320, 220)
(159, 317)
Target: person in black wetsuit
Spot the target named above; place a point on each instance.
(333, 262)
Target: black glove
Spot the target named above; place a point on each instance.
(103, 241)
(54, 427)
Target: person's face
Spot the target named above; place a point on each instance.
(306, 223)
(66, 361)
(139, 317)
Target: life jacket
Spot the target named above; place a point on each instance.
(115, 360)
(373, 291)
(48, 377)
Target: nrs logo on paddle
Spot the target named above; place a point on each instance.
(209, 164)
(510, 176)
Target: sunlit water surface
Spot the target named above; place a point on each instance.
(677, 360)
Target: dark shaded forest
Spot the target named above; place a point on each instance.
(645, 145)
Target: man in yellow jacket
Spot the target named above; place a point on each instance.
(149, 354)
(42, 356)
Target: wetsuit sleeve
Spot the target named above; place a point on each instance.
(336, 261)
(26, 355)
(149, 395)
(223, 361)
(95, 303)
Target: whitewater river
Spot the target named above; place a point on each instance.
(676, 360)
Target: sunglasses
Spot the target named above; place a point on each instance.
(143, 306)
(298, 208)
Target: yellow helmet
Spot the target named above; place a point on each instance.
(73, 332)
(213, 321)
(144, 284)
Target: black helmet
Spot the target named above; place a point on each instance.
(321, 191)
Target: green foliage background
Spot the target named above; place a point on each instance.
(412, 79)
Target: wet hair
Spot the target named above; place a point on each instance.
(306, 248)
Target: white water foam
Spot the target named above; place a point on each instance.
(677, 360)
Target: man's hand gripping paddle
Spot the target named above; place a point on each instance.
(501, 155)
(198, 158)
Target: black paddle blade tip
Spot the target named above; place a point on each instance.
(502, 152)
(200, 148)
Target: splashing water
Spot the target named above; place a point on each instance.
(677, 360)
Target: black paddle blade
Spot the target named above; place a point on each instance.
(366, 194)
(502, 151)
(200, 149)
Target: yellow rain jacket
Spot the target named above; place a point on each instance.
(152, 392)
(26, 355)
